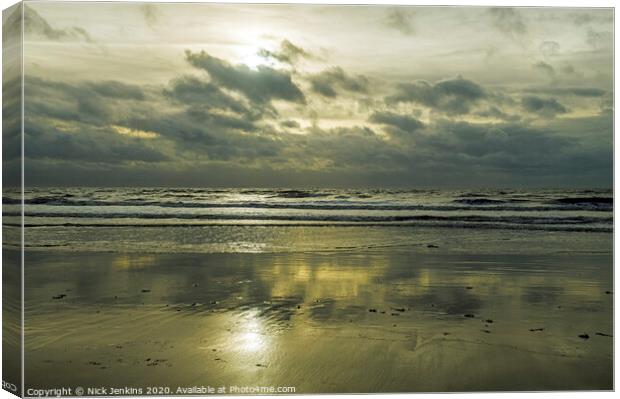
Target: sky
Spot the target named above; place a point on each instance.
(232, 95)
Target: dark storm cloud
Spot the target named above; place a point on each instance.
(192, 91)
(290, 124)
(90, 144)
(445, 153)
(36, 25)
(543, 106)
(191, 116)
(572, 91)
(396, 123)
(508, 21)
(204, 123)
(115, 89)
(452, 96)
(496, 113)
(518, 142)
(329, 81)
(11, 119)
(400, 20)
(76, 122)
(357, 147)
(288, 53)
(11, 93)
(449, 152)
(91, 102)
(261, 85)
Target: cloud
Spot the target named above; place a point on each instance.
(84, 121)
(451, 96)
(508, 21)
(545, 68)
(483, 140)
(543, 106)
(261, 85)
(36, 25)
(290, 124)
(400, 20)
(91, 144)
(326, 82)
(496, 113)
(115, 89)
(86, 101)
(342, 148)
(571, 91)
(397, 124)
(109, 122)
(190, 90)
(288, 53)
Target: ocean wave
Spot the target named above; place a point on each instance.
(512, 205)
(409, 224)
(298, 194)
(596, 201)
(479, 201)
(513, 219)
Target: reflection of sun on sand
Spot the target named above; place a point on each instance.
(305, 320)
(123, 262)
(325, 279)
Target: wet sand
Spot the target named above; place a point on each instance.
(321, 322)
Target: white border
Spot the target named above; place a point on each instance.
(539, 3)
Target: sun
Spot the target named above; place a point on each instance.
(252, 60)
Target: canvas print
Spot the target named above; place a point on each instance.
(204, 198)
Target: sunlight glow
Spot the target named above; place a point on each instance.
(253, 60)
(253, 337)
(143, 134)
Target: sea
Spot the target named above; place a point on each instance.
(280, 220)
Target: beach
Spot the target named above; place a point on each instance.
(371, 321)
(314, 291)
